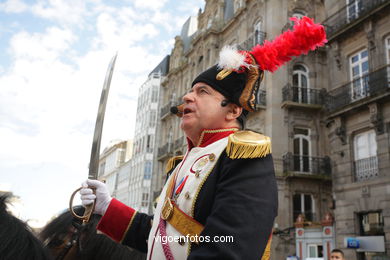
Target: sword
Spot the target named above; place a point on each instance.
(97, 137)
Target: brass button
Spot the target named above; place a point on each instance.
(212, 157)
(197, 173)
(187, 195)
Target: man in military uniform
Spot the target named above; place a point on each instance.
(224, 186)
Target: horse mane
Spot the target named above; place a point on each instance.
(94, 246)
(16, 238)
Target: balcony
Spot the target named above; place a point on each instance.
(373, 85)
(306, 166)
(255, 38)
(366, 169)
(303, 97)
(165, 110)
(165, 151)
(350, 15)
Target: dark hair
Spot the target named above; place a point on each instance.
(93, 245)
(242, 119)
(338, 251)
(16, 238)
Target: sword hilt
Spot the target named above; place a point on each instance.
(88, 208)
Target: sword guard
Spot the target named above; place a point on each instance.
(88, 209)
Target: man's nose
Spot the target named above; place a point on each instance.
(189, 97)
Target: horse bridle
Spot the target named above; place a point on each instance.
(74, 239)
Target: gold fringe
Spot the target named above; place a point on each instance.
(248, 144)
(267, 251)
(173, 162)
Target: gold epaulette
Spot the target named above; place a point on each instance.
(248, 144)
(173, 162)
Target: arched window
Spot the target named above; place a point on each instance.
(302, 150)
(301, 84)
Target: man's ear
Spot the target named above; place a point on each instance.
(234, 112)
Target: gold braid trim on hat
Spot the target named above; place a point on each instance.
(248, 144)
(248, 98)
(173, 162)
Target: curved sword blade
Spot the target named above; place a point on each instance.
(97, 136)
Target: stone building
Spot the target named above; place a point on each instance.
(320, 128)
(111, 161)
(358, 120)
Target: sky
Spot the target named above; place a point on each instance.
(54, 56)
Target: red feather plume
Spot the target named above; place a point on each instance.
(305, 36)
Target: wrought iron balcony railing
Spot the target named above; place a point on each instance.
(306, 165)
(164, 151)
(370, 85)
(306, 96)
(366, 168)
(351, 14)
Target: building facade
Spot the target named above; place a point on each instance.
(111, 161)
(138, 173)
(357, 120)
(327, 114)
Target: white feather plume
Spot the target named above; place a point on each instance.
(230, 58)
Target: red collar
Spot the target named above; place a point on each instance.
(209, 136)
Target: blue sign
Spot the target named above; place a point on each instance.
(352, 242)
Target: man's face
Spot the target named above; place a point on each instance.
(336, 256)
(202, 110)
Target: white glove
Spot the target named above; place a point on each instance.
(102, 196)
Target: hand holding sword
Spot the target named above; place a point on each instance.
(95, 196)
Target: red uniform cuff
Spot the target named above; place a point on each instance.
(117, 220)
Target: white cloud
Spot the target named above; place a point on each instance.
(42, 46)
(150, 4)
(13, 6)
(71, 12)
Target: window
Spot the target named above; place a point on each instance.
(359, 74)
(148, 170)
(371, 223)
(301, 150)
(258, 34)
(303, 204)
(366, 161)
(387, 46)
(300, 84)
(315, 251)
(354, 7)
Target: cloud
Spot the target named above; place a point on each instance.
(48, 45)
(150, 4)
(72, 12)
(13, 6)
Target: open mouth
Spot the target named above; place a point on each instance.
(187, 111)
